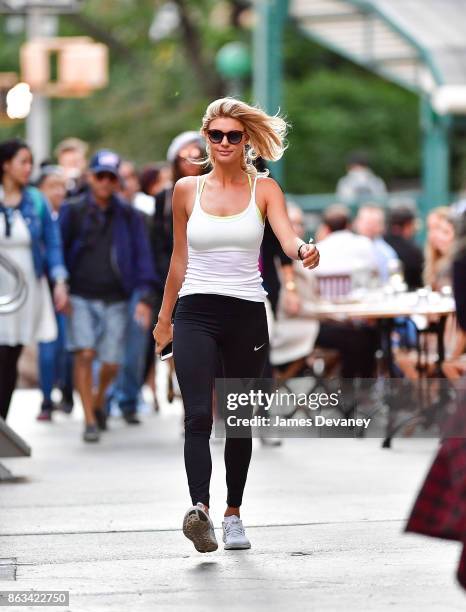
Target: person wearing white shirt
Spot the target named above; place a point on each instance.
(370, 222)
(343, 252)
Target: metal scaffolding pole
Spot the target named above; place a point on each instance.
(38, 124)
(267, 60)
(435, 157)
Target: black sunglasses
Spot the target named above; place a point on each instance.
(234, 137)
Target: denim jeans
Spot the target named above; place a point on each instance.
(97, 325)
(56, 364)
(126, 388)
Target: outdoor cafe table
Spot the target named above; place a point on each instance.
(385, 309)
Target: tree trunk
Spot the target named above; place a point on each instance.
(205, 72)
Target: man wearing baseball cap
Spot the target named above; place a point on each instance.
(108, 257)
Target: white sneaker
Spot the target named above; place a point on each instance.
(198, 527)
(233, 534)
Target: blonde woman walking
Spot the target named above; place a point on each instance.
(218, 229)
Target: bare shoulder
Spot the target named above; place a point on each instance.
(268, 190)
(185, 185)
(183, 193)
(268, 185)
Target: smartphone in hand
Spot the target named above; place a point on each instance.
(167, 352)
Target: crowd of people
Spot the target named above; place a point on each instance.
(93, 238)
(368, 251)
(87, 234)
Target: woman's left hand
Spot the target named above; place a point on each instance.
(60, 297)
(310, 255)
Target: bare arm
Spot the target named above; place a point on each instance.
(281, 225)
(179, 258)
(178, 263)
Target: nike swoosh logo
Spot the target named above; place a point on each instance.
(256, 348)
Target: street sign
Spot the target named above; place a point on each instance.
(52, 6)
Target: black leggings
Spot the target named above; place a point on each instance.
(9, 356)
(208, 326)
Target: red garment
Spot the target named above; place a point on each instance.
(440, 508)
(461, 573)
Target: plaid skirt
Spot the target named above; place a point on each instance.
(440, 508)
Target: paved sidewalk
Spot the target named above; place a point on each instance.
(325, 518)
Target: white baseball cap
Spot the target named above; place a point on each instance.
(181, 141)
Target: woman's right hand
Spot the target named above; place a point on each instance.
(163, 335)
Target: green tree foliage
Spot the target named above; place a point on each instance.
(335, 107)
(159, 89)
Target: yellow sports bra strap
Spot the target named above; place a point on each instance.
(202, 180)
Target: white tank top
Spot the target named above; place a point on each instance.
(223, 251)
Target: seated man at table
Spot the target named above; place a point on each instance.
(402, 226)
(343, 252)
(370, 222)
(296, 332)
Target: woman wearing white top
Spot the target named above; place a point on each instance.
(218, 229)
(30, 239)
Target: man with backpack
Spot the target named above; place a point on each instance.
(108, 257)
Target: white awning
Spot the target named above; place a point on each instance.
(421, 44)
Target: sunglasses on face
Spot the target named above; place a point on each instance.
(234, 137)
(101, 176)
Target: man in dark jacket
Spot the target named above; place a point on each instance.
(400, 236)
(108, 257)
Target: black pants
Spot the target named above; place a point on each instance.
(207, 326)
(9, 356)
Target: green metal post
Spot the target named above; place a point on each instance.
(436, 157)
(267, 60)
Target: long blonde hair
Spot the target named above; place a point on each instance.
(266, 132)
(437, 264)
